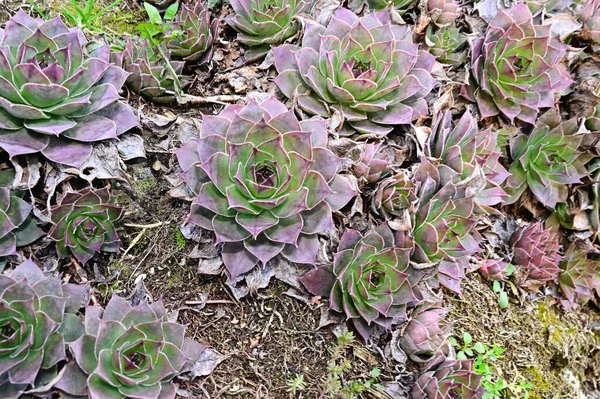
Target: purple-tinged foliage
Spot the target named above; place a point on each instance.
(395, 200)
(371, 280)
(400, 6)
(366, 67)
(494, 269)
(590, 16)
(547, 160)
(36, 319)
(84, 223)
(196, 35)
(579, 278)
(449, 378)
(517, 67)
(265, 183)
(536, 6)
(426, 334)
(447, 45)
(58, 93)
(592, 122)
(149, 74)
(537, 251)
(469, 155)
(14, 217)
(128, 352)
(373, 165)
(443, 12)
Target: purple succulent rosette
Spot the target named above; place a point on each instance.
(426, 334)
(265, 183)
(517, 67)
(196, 35)
(373, 164)
(449, 378)
(579, 278)
(84, 224)
(371, 281)
(443, 12)
(58, 93)
(36, 319)
(128, 352)
(367, 67)
(494, 269)
(466, 154)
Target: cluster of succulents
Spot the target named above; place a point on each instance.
(517, 68)
(60, 93)
(365, 67)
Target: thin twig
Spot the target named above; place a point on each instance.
(224, 99)
(144, 226)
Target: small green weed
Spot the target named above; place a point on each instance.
(84, 16)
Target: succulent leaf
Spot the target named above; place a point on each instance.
(60, 93)
(443, 12)
(579, 278)
(373, 164)
(590, 16)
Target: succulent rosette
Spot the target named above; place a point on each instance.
(426, 334)
(579, 278)
(193, 35)
(373, 164)
(517, 67)
(34, 325)
(149, 74)
(58, 93)
(442, 12)
(262, 23)
(590, 16)
(449, 378)
(537, 251)
(447, 44)
(84, 223)
(128, 352)
(265, 183)
(371, 281)
(494, 269)
(400, 6)
(395, 199)
(14, 213)
(467, 154)
(366, 67)
(546, 161)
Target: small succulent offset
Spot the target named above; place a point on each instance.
(546, 161)
(262, 23)
(517, 67)
(579, 278)
(495, 269)
(395, 199)
(14, 220)
(371, 280)
(265, 183)
(192, 35)
(84, 224)
(150, 76)
(33, 325)
(537, 251)
(447, 44)
(590, 16)
(400, 6)
(449, 378)
(467, 154)
(366, 67)
(442, 12)
(426, 334)
(59, 93)
(373, 165)
(128, 352)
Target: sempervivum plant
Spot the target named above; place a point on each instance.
(193, 35)
(150, 76)
(495, 269)
(442, 12)
(449, 378)
(517, 67)
(537, 251)
(373, 164)
(263, 23)
(579, 278)
(536, 6)
(447, 45)
(84, 224)
(590, 16)
(468, 154)
(366, 67)
(34, 325)
(546, 161)
(128, 352)
(371, 281)
(265, 183)
(59, 93)
(426, 334)
(395, 199)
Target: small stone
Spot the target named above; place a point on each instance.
(157, 165)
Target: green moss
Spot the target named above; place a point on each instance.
(143, 187)
(541, 386)
(179, 239)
